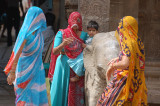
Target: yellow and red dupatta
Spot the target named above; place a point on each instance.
(135, 91)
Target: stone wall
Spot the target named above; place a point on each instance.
(109, 12)
(152, 75)
(149, 28)
(66, 8)
(104, 47)
(70, 6)
(97, 10)
(119, 9)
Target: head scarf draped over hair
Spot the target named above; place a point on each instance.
(132, 46)
(34, 20)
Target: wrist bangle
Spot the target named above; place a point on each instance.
(113, 66)
(13, 68)
(14, 63)
(12, 72)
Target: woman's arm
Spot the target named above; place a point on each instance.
(123, 64)
(84, 45)
(59, 48)
(113, 60)
(11, 76)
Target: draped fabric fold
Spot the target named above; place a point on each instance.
(135, 88)
(128, 86)
(72, 50)
(29, 85)
(63, 92)
(52, 64)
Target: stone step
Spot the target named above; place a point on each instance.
(152, 71)
(152, 76)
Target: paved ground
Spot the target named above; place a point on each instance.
(7, 96)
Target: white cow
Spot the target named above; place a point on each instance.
(104, 47)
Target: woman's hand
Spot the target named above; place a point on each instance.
(109, 72)
(83, 45)
(111, 69)
(11, 78)
(59, 48)
(113, 61)
(67, 41)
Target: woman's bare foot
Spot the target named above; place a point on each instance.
(74, 79)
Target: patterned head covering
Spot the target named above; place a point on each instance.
(132, 46)
(75, 19)
(30, 75)
(34, 20)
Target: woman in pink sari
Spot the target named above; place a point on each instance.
(69, 43)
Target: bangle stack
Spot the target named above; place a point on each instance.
(12, 72)
(113, 66)
(15, 63)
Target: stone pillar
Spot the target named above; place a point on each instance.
(66, 8)
(119, 9)
(149, 28)
(152, 76)
(97, 10)
(62, 15)
(56, 6)
(70, 6)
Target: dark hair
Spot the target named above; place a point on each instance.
(93, 24)
(50, 18)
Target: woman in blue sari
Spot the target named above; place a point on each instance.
(69, 43)
(25, 68)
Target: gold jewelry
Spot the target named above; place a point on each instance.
(13, 68)
(113, 66)
(14, 63)
(12, 72)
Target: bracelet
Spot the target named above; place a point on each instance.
(14, 68)
(14, 63)
(113, 66)
(12, 72)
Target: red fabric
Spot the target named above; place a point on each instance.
(10, 63)
(75, 19)
(24, 84)
(52, 64)
(75, 48)
(76, 91)
(21, 103)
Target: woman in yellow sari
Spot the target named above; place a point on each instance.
(128, 86)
